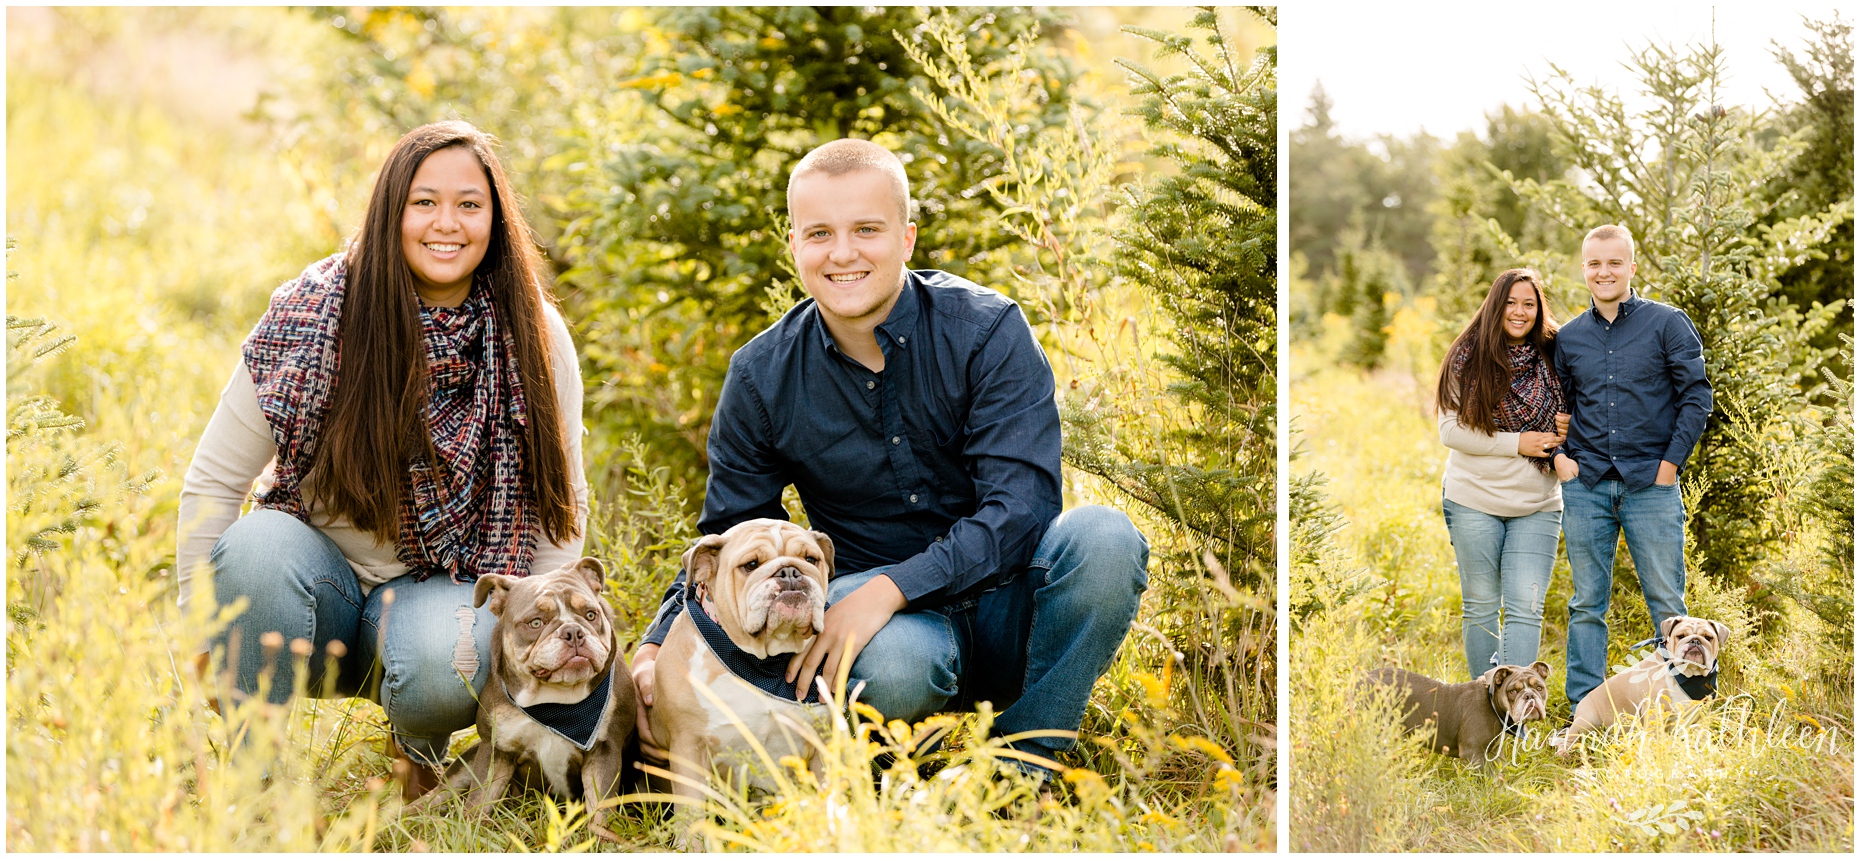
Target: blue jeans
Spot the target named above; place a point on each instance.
(1033, 646)
(1654, 521)
(1504, 563)
(419, 649)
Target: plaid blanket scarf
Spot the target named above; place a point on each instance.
(466, 515)
(1534, 399)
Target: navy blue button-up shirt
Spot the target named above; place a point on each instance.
(1636, 390)
(945, 464)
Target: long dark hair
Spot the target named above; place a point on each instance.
(377, 416)
(1479, 388)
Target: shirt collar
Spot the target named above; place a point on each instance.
(902, 322)
(898, 325)
(1626, 306)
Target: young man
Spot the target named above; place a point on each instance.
(1633, 373)
(914, 413)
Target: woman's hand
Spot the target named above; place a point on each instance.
(1538, 444)
(643, 663)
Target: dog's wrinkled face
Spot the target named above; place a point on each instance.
(1520, 692)
(555, 632)
(1695, 642)
(765, 582)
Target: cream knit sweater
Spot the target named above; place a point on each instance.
(237, 451)
(1486, 472)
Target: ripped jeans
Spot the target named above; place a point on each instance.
(1504, 563)
(419, 649)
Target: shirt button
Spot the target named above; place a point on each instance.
(900, 341)
(939, 539)
(869, 385)
(913, 499)
(894, 440)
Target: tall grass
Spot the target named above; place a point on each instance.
(1768, 766)
(152, 229)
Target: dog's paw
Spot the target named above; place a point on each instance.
(604, 833)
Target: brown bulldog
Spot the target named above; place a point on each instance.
(755, 595)
(1466, 717)
(558, 707)
(1688, 649)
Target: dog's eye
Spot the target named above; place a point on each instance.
(752, 565)
(813, 559)
(592, 613)
(536, 623)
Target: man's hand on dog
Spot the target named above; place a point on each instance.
(643, 660)
(850, 624)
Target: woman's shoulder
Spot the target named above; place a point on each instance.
(304, 313)
(321, 278)
(559, 336)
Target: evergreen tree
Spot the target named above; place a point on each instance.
(1367, 279)
(1822, 176)
(1202, 242)
(679, 254)
(1686, 177)
(1475, 206)
(57, 481)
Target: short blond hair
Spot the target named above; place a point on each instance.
(845, 155)
(1612, 231)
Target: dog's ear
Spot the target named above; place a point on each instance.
(1495, 678)
(701, 559)
(1666, 626)
(593, 572)
(826, 551)
(1542, 669)
(492, 587)
(1724, 632)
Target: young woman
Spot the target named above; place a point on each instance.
(410, 411)
(1501, 415)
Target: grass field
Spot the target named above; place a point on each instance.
(151, 227)
(1769, 766)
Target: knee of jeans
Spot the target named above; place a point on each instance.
(909, 667)
(1105, 544)
(429, 688)
(265, 547)
(1473, 607)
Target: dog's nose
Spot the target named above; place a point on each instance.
(573, 633)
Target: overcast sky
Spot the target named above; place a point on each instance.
(1400, 67)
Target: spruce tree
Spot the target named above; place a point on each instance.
(679, 251)
(1202, 242)
(57, 480)
(1822, 175)
(1686, 176)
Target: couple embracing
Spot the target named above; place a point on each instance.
(407, 418)
(1584, 427)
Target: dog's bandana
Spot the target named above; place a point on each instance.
(768, 675)
(1697, 687)
(577, 723)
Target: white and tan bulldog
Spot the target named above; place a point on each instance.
(553, 651)
(755, 595)
(1688, 648)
